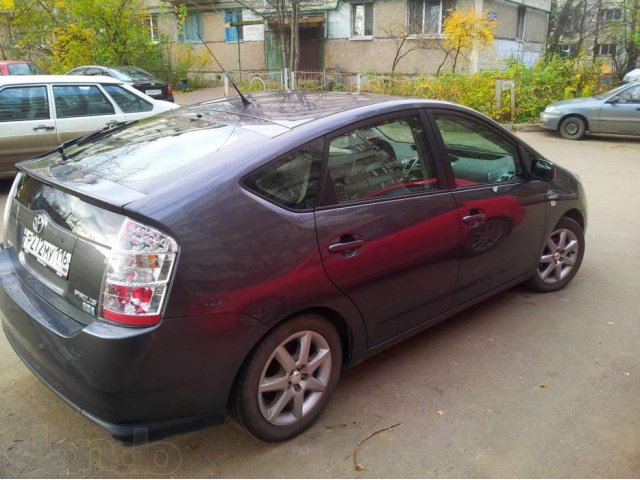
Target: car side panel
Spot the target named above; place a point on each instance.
(243, 254)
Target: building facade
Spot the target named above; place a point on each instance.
(350, 36)
(602, 29)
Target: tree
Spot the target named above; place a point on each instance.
(73, 32)
(462, 29)
(405, 42)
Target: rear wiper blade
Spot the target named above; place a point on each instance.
(94, 135)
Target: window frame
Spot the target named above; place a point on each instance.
(321, 143)
(233, 34)
(325, 202)
(182, 37)
(116, 107)
(103, 87)
(522, 161)
(352, 6)
(441, 17)
(154, 30)
(48, 97)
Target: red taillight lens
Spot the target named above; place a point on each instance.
(137, 275)
(169, 90)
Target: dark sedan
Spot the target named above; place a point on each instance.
(235, 258)
(135, 76)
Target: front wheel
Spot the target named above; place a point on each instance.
(561, 257)
(288, 380)
(573, 128)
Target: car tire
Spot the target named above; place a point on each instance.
(561, 257)
(573, 128)
(280, 392)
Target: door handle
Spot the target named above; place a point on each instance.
(345, 246)
(474, 219)
(43, 127)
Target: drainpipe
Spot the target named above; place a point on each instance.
(475, 49)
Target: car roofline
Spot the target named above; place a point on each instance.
(56, 79)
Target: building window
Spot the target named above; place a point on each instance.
(608, 14)
(153, 28)
(426, 16)
(233, 34)
(606, 49)
(362, 20)
(522, 14)
(191, 28)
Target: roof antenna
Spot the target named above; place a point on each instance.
(245, 100)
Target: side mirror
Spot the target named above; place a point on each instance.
(543, 169)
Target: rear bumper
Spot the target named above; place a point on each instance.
(174, 376)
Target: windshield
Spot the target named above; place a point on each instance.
(612, 92)
(132, 74)
(23, 69)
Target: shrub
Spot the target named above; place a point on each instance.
(547, 81)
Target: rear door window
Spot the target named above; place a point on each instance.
(24, 103)
(383, 159)
(81, 101)
(128, 101)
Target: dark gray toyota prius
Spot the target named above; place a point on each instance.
(235, 258)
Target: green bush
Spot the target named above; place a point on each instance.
(547, 81)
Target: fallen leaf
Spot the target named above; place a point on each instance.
(359, 467)
(611, 323)
(627, 374)
(542, 385)
(440, 413)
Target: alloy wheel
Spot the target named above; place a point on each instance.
(559, 256)
(294, 378)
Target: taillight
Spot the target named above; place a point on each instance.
(137, 275)
(169, 90)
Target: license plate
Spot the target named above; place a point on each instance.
(46, 253)
(153, 92)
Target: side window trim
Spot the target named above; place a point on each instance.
(325, 202)
(430, 113)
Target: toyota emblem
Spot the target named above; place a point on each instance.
(39, 222)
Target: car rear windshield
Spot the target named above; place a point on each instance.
(132, 74)
(153, 152)
(23, 69)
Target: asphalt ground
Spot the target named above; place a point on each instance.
(521, 385)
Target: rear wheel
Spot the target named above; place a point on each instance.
(561, 257)
(288, 380)
(573, 128)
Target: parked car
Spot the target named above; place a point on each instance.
(134, 76)
(230, 257)
(616, 111)
(18, 67)
(632, 76)
(38, 113)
